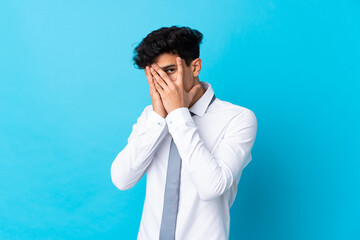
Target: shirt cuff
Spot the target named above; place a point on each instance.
(179, 117)
(155, 120)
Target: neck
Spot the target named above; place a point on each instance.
(198, 95)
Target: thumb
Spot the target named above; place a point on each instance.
(194, 89)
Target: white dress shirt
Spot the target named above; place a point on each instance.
(214, 145)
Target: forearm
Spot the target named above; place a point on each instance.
(212, 174)
(131, 163)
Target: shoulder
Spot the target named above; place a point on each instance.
(232, 112)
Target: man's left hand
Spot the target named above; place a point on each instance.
(173, 94)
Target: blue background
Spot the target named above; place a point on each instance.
(69, 95)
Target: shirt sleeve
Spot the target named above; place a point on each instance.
(213, 173)
(131, 163)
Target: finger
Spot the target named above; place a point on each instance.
(159, 88)
(162, 74)
(149, 78)
(179, 78)
(194, 89)
(158, 79)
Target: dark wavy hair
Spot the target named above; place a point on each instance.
(183, 41)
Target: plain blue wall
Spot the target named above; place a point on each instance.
(69, 95)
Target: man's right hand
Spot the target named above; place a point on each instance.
(157, 104)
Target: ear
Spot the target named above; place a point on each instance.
(196, 67)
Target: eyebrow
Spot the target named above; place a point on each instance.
(168, 66)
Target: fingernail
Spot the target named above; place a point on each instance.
(153, 65)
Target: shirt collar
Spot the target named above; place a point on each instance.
(200, 106)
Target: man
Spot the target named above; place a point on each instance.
(192, 145)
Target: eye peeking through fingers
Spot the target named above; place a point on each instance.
(169, 71)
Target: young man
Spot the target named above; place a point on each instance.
(192, 145)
